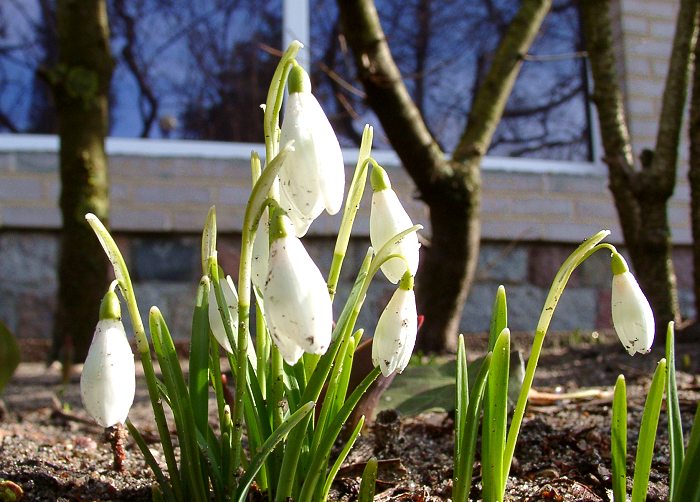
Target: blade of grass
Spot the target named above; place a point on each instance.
(163, 482)
(675, 425)
(618, 444)
(647, 433)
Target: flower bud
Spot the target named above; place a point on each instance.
(298, 308)
(108, 380)
(388, 218)
(395, 335)
(632, 316)
(313, 175)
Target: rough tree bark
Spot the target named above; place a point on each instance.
(694, 174)
(80, 84)
(641, 192)
(451, 188)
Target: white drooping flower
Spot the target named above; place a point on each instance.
(395, 335)
(312, 177)
(108, 380)
(632, 316)
(298, 308)
(388, 218)
(261, 250)
(216, 321)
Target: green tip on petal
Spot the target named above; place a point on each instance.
(279, 224)
(379, 179)
(618, 264)
(406, 282)
(110, 308)
(299, 80)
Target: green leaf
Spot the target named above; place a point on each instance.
(278, 435)
(675, 425)
(688, 488)
(499, 316)
(199, 358)
(618, 441)
(461, 404)
(369, 481)
(341, 458)
(9, 355)
(208, 239)
(647, 433)
(495, 417)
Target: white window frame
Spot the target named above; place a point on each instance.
(296, 26)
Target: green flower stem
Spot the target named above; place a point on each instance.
(352, 204)
(275, 96)
(121, 273)
(588, 247)
(254, 208)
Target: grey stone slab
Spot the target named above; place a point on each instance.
(39, 162)
(165, 259)
(28, 260)
(502, 263)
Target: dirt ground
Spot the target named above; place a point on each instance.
(53, 451)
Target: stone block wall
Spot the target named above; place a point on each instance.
(532, 219)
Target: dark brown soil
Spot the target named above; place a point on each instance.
(52, 450)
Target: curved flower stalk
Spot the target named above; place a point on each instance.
(313, 176)
(216, 322)
(108, 380)
(387, 218)
(632, 316)
(298, 308)
(395, 335)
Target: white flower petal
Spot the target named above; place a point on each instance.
(261, 249)
(313, 175)
(632, 315)
(297, 305)
(395, 335)
(388, 218)
(108, 381)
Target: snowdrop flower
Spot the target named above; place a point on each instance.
(387, 218)
(216, 321)
(631, 313)
(395, 335)
(298, 308)
(261, 250)
(108, 381)
(313, 175)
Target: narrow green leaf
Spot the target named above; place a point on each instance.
(688, 488)
(675, 425)
(618, 441)
(199, 357)
(499, 316)
(461, 404)
(318, 466)
(465, 464)
(278, 435)
(497, 393)
(369, 481)
(341, 458)
(208, 239)
(163, 482)
(647, 433)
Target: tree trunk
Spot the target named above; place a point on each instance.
(80, 85)
(450, 188)
(694, 175)
(641, 194)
